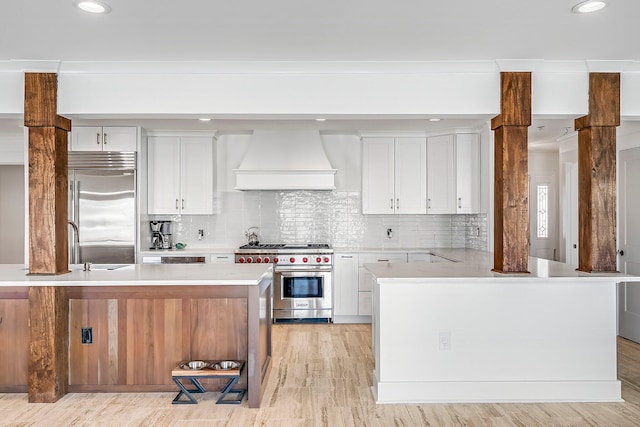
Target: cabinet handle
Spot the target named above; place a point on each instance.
(391, 201)
(182, 203)
(459, 202)
(397, 203)
(98, 138)
(383, 260)
(346, 256)
(104, 138)
(176, 203)
(428, 203)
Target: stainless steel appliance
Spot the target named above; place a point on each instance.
(302, 279)
(102, 207)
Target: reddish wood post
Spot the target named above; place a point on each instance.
(48, 250)
(48, 306)
(597, 175)
(511, 186)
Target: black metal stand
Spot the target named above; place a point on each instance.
(199, 388)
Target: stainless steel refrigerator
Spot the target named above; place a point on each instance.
(102, 207)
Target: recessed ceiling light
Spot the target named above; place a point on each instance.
(92, 6)
(434, 119)
(320, 120)
(588, 6)
(204, 119)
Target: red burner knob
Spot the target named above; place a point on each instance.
(241, 260)
(326, 259)
(249, 260)
(267, 260)
(292, 260)
(275, 260)
(305, 259)
(258, 260)
(318, 260)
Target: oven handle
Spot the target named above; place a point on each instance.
(303, 270)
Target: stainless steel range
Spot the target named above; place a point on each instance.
(302, 278)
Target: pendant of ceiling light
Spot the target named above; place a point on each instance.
(588, 6)
(92, 6)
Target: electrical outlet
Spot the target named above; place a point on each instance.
(87, 335)
(389, 232)
(444, 341)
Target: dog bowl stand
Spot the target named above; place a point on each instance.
(194, 376)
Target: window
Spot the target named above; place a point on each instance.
(542, 231)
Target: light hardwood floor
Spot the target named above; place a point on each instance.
(321, 376)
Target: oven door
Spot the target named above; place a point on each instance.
(301, 291)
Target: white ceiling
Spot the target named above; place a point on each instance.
(328, 30)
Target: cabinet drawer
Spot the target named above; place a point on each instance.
(382, 257)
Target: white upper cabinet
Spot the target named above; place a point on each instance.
(96, 138)
(441, 175)
(180, 175)
(453, 174)
(468, 173)
(394, 176)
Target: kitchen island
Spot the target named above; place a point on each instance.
(458, 332)
(140, 321)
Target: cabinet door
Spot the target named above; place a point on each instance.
(119, 138)
(378, 176)
(86, 138)
(410, 175)
(468, 173)
(365, 303)
(14, 336)
(164, 175)
(97, 362)
(345, 284)
(196, 185)
(441, 175)
(155, 337)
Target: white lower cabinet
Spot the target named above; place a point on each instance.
(365, 280)
(345, 284)
(365, 303)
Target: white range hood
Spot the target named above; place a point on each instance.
(285, 160)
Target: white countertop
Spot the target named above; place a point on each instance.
(473, 264)
(141, 275)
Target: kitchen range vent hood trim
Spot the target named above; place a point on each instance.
(285, 160)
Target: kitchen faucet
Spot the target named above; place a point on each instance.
(76, 246)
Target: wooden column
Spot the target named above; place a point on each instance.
(511, 187)
(48, 251)
(48, 306)
(48, 344)
(597, 175)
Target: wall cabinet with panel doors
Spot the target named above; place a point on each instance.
(453, 174)
(181, 175)
(97, 138)
(394, 173)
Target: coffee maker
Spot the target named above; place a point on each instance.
(161, 234)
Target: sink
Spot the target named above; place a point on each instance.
(73, 267)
